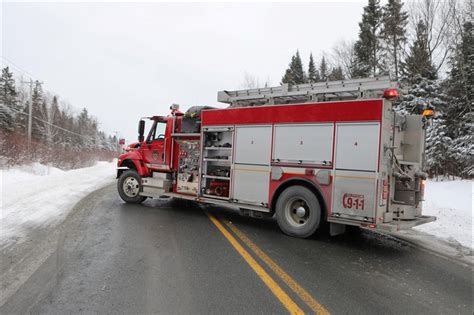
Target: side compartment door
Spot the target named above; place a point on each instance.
(356, 161)
(252, 164)
(303, 144)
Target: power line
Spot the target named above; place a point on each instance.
(53, 125)
(19, 68)
(27, 73)
(30, 113)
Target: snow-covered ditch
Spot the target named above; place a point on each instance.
(34, 196)
(451, 203)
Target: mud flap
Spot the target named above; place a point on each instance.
(336, 229)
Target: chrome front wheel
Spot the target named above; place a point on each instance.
(129, 187)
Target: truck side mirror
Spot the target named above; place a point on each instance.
(141, 130)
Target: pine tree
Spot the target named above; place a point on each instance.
(421, 93)
(367, 49)
(298, 72)
(56, 118)
(437, 147)
(323, 70)
(49, 112)
(394, 22)
(313, 74)
(424, 91)
(37, 103)
(295, 73)
(69, 124)
(336, 74)
(84, 128)
(459, 114)
(8, 100)
(288, 77)
(461, 75)
(418, 61)
(46, 113)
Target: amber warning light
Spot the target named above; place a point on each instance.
(390, 93)
(428, 113)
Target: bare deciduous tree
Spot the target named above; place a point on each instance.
(48, 112)
(251, 81)
(440, 18)
(343, 55)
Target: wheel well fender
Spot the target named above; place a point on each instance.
(132, 165)
(301, 182)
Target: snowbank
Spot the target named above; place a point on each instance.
(35, 195)
(451, 203)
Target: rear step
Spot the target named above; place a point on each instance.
(397, 225)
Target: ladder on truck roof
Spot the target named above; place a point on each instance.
(310, 92)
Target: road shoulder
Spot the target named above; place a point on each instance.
(22, 261)
(442, 248)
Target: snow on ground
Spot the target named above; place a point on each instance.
(451, 203)
(33, 196)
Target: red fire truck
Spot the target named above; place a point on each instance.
(325, 152)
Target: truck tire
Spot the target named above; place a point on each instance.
(298, 212)
(129, 187)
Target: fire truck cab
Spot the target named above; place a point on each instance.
(332, 152)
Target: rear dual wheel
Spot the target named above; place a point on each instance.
(298, 212)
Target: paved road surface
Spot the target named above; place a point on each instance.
(174, 257)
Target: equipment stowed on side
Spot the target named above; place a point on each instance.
(191, 122)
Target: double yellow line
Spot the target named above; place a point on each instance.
(282, 296)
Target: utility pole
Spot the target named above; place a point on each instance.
(30, 109)
(118, 146)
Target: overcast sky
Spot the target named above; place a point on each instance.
(123, 61)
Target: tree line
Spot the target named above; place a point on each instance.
(428, 48)
(59, 136)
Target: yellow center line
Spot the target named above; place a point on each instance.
(300, 291)
(264, 276)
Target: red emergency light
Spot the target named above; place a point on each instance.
(390, 93)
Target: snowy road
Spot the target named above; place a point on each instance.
(112, 257)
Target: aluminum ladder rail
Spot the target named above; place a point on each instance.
(310, 92)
